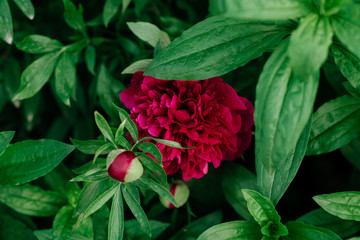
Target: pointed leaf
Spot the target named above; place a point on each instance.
(27, 156)
(90, 59)
(6, 26)
(140, 65)
(153, 166)
(129, 125)
(63, 223)
(345, 205)
(283, 101)
(104, 127)
(309, 44)
(111, 7)
(212, 48)
(149, 33)
(164, 192)
(74, 17)
(36, 75)
(31, 200)
(232, 230)
(38, 44)
(334, 125)
(137, 210)
(150, 148)
(116, 219)
(26, 7)
(274, 185)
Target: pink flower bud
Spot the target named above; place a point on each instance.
(124, 166)
(181, 193)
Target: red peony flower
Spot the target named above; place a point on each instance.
(207, 115)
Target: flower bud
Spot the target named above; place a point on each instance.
(124, 166)
(181, 193)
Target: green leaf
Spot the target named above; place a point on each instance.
(153, 166)
(165, 142)
(26, 7)
(89, 194)
(13, 229)
(65, 77)
(90, 59)
(36, 75)
(119, 132)
(38, 44)
(63, 223)
(116, 219)
(164, 192)
(301, 231)
(349, 65)
(283, 101)
(129, 125)
(5, 139)
(104, 127)
(232, 230)
(137, 210)
(73, 17)
(346, 25)
(31, 200)
(98, 202)
(92, 175)
(45, 234)
(234, 178)
(261, 208)
(334, 125)
(140, 65)
(152, 149)
(27, 156)
(88, 146)
(149, 33)
(261, 9)
(345, 205)
(320, 218)
(99, 164)
(6, 26)
(102, 150)
(111, 7)
(309, 44)
(274, 185)
(195, 228)
(212, 48)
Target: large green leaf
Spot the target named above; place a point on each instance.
(309, 44)
(116, 218)
(31, 200)
(6, 26)
(26, 7)
(349, 65)
(137, 210)
(345, 205)
(38, 44)
(346, 25)
(5, 139)
(283, 101)
(232, 230)
(261, 9)
(195, 228)
(33, 157)
(36, 75)
(234, 178)
(334, 125)
(301, 231)
(323, 219)
(63, 223)
(73, 17)
(273, 185)
(149, 33)
(65, 77)
(214, 47)
(111, 7)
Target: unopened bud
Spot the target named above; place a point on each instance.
(181, 193)
(124, 166)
